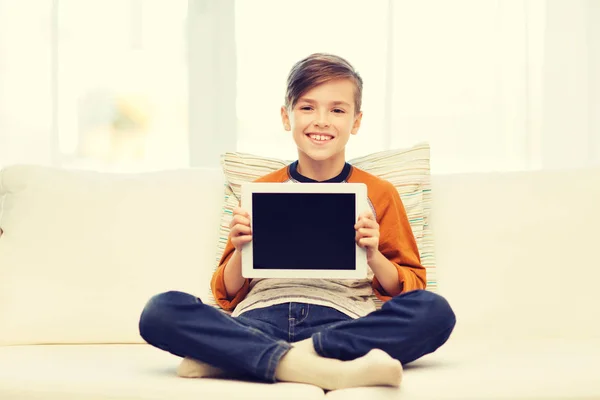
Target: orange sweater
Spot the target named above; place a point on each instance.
(396, 242)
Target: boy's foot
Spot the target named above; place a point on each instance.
(191, 368)
(376, 368)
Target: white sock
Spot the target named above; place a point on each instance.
(302, 364)
(191, 368)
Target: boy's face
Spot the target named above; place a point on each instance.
(322, 120)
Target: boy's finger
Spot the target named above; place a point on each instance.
(245, 239)
(367, 242)
(239, 220)
(371, 223)
(242, 219)
(240, 230)
(240, 211)
(366, 223)
(367, 215)
(358, 241)
(368, 232)
(362, 222)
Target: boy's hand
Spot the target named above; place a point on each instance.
(367, 233)
(240, 232)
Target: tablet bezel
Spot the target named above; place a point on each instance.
(361, 204)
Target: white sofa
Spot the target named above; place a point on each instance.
(517, 258)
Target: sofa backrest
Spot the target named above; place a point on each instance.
(518, 254)
(82, 252)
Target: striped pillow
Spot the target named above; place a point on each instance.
(407, 169)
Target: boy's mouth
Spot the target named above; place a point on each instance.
(319, 138)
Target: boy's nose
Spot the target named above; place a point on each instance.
(321, 121)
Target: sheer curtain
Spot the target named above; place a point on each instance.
(492, 85)
(499, 85)
(26, 82)
(94, 84)
(130, 85)
(121, 83)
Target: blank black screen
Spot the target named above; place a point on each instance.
(304, 231)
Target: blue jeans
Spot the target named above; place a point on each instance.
(407, 327)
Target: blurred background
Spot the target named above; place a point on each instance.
(140, 85)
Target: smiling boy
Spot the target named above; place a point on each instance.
(317, 331)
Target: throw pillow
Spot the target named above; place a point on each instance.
(407, 169)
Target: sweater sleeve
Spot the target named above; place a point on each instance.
(397, 243)
(217, 283)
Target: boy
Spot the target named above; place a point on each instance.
(322, 332)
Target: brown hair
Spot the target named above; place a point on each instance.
(317, 69)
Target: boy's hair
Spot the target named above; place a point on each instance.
(317, 69)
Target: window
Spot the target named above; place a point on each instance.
(121, 84)
(108, 84)
(25, 90)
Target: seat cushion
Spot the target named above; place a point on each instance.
(120, 372)
(480, 370)
(519, 249)
(550, 369)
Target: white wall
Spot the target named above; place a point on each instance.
(460, 82)
(570, 84)
(25, 82)
(498, 85)
(593, 23)
(212, 88)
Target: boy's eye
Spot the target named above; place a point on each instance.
(338, 111)
(306, 108)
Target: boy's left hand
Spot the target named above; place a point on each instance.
(367, 233)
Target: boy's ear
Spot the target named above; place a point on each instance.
(356, 125)
(285, 119)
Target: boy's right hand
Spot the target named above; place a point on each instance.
(240, 232)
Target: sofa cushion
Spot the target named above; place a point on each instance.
(517, 252)
(490, 369)
(82, 252)
(121, 372)
(407, 169)
(466, 370)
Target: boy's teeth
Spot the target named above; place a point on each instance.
(320, 137)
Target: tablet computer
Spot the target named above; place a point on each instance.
(304, 230)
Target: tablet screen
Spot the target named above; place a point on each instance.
(304, 231)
